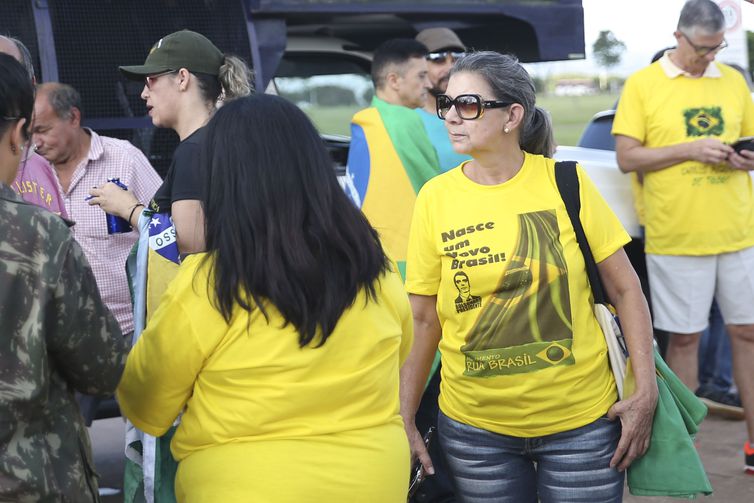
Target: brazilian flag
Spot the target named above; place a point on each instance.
(390, 159)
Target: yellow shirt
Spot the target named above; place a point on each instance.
(691, 208)
(522, 353)
(282, 423)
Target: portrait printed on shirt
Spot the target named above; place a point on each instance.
(465, 300)
(525, 324)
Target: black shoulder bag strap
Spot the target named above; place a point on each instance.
(567, 181)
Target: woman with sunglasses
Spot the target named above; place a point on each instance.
(293, 326)
(57, 335)
(185, 78)
(528, 403)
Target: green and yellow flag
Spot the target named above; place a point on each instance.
(390, 159)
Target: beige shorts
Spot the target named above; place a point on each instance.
(683, 287)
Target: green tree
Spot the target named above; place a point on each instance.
(607, 49)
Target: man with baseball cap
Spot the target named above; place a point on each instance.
(444, 48)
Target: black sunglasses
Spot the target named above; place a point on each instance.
(468, 106)
(703, 50)
(441, 56)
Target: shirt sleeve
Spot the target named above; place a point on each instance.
(603, 230)
(630, 117)
(187, 176)
(164, 363)
(423, 264)
(85, 340)
(144, 179)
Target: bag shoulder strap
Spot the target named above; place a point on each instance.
(567, 181)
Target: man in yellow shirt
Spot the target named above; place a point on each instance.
(674, 125)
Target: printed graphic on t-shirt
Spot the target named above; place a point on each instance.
(526, 324)
(466, 301)
(705, 121)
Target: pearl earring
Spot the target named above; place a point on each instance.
(506, 130)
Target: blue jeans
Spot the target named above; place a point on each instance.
(572, 466)
(715, 359)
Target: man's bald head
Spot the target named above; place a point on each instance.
(15, 48)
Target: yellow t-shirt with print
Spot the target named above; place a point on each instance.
(522, 353)
(691, 208)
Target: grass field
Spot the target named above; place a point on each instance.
(569, 115)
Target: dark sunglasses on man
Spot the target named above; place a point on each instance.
(468, 106)
(441, 56)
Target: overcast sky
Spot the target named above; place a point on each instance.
(645, 26)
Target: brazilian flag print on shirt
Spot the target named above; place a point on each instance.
(522, 353)
(389, 160)
(526, 325)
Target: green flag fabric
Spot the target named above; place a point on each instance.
(671, 466)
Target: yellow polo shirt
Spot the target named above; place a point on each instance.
(691, 208)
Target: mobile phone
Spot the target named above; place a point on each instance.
(417, 471)
(745, 143)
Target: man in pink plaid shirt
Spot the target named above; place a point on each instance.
(83, 159)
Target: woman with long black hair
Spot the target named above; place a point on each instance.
(282, 343)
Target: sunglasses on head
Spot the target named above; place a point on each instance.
(441, 56)
(468, 106)
(149, 80)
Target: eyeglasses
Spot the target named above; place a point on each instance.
(468, 106)
(441, 56)
(149, 80)
(702, 50)
(10, 118)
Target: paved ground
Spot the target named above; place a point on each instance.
(720, 444)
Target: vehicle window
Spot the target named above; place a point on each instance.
(329, 90)
(597, 134)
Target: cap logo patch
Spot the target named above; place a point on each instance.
(155, 46)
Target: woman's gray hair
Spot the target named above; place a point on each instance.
(509, 81)
(703, 15)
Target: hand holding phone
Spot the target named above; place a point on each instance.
(417, 470)
(745, 143)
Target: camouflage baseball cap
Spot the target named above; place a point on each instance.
(182, 49)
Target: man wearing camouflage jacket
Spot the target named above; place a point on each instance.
(56, 336)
